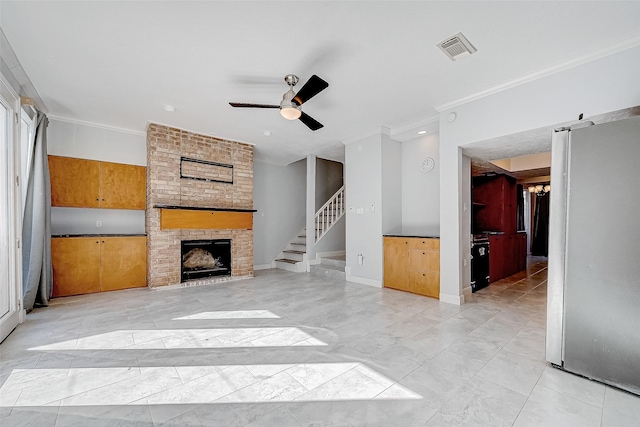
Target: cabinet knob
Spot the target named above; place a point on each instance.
(103, 241)
(103, 200)
(97, 200)
(422, 253)
(97, 242)
(422, 274)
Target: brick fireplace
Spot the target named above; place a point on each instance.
(198, 188)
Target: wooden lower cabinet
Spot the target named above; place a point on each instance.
(84, 265)
(412, 264)
(76, 265)
(123, 263)
(507, 255)
(396, 263)
(425, 283)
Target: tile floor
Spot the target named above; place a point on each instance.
(288, 349)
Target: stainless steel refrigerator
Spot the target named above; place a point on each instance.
(593, 303)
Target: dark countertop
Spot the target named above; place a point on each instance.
(97, 235)
(417, 236)
(200, 208)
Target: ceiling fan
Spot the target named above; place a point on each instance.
(291, 102)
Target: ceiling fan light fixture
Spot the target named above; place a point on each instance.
(291, 112)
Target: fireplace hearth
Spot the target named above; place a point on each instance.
(205, 258)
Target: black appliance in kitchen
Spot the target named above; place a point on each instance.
(479, 262)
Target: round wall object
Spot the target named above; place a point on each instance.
(428, 164)
(451, 117)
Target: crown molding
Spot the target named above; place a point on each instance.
(598, 54)
(410, 131)
(382, 130)
(95, 125)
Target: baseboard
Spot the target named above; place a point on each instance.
(263, 266)
(361, 280)
(466, 293)
(452, 299)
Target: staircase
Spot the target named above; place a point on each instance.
(294, 256)
(330, 267)
(329, 214)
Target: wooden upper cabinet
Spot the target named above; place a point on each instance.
(122, 186)
(75, 183)
(81, 183)
(495, 204)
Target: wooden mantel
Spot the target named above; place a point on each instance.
(195, 217)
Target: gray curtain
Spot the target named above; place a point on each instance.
(36, 225)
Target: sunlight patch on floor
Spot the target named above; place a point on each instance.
(235, 314)
(197, 385)
(163, 339)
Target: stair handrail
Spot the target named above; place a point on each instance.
(327, 216)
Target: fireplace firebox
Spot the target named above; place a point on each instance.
(205, 258)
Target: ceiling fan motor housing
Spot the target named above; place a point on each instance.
(289, 109)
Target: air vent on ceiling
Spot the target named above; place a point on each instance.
(457, 47)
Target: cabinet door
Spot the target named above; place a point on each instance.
(424, 259)
(74, 182)
(122, 186)
(76, 265)
(123, 262)
(522, 251)
(510, 255)
(425, 283)
(496, 258)
(396, 263)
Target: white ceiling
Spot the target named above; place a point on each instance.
(117, 63)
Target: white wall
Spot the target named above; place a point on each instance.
(391, 186)
(329, 179)
(420, 190)
(601, 86)
(334, 240)
(373, 181)
(363, 183)
(107, 145)
(96, 143)
(279, 196)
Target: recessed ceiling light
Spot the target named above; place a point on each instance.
(422, 132)
(267, 133)
(168, 107)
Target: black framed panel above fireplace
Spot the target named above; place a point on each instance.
(205, 258)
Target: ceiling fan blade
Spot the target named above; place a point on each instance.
(311, 123)
(311, 88)
(244, 105)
